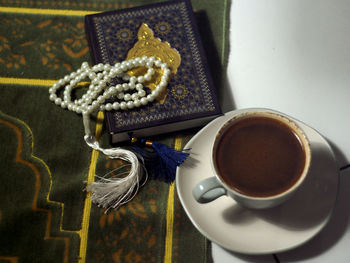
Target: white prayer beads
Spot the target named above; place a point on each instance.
(130, 94)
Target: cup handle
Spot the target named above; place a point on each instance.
(208, 190)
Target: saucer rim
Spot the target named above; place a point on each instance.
(250, 252)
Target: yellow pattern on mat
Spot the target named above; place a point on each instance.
(170, 214)
(62, 12)
(83, 232)
(36, 171)
(33, 82)
(87, 206)
(24, 81)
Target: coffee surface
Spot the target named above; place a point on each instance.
(260, 157)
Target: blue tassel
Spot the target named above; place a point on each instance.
(169, 160)
(163, 161)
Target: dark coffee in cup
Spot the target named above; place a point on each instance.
(259, 156)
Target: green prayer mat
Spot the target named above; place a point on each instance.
(45, 214)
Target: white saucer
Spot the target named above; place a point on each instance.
(246, 231)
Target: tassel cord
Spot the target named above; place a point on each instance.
(113, 171)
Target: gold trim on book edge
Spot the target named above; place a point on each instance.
(170, 214)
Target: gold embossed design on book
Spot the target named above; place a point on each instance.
(148, 45)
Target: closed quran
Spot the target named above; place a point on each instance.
(168, 32)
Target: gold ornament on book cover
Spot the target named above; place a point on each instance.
(148, 45)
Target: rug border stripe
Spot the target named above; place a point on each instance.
(168, 253)
(87, 205)
(27, 81)
(62, 12)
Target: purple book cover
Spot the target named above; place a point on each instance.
(164, 30)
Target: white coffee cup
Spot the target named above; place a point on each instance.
(254, 176)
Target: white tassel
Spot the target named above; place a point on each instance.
(111, 193)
